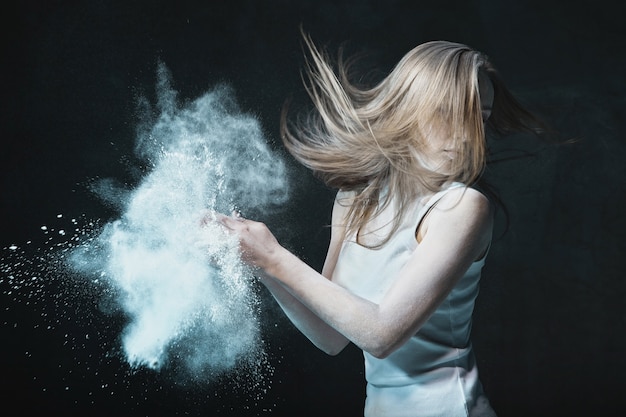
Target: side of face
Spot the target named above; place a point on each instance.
(442, 150)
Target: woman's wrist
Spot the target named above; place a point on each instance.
(275, 260)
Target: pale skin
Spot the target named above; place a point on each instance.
(453, 235)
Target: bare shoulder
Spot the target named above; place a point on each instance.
(464, 201)
(337, 231)
(463, 213)
(343, 201)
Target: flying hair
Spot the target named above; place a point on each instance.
(375, 139)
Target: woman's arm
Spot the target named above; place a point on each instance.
(459, 230)
(316, 330)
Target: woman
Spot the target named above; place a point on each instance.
(410, 231)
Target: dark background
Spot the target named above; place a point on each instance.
(550, 323)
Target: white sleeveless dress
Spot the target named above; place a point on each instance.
(433, 374)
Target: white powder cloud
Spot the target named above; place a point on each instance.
(182, 286)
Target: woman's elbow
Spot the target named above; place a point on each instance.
(381, 353)
(382, 347)
(332, 349)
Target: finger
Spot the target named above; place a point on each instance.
(236, 214)
(211, 217)
(230, 222)
(219, 216)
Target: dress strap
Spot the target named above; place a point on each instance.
(432, 202)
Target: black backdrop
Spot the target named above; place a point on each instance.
(550, 321)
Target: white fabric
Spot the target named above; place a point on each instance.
(434, 373)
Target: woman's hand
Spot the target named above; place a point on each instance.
(257, 244)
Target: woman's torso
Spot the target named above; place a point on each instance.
(432, 374)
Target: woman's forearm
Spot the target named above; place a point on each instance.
(455, 240)
(350, 317)
(315, 329)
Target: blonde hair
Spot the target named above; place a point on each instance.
(367, 140)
